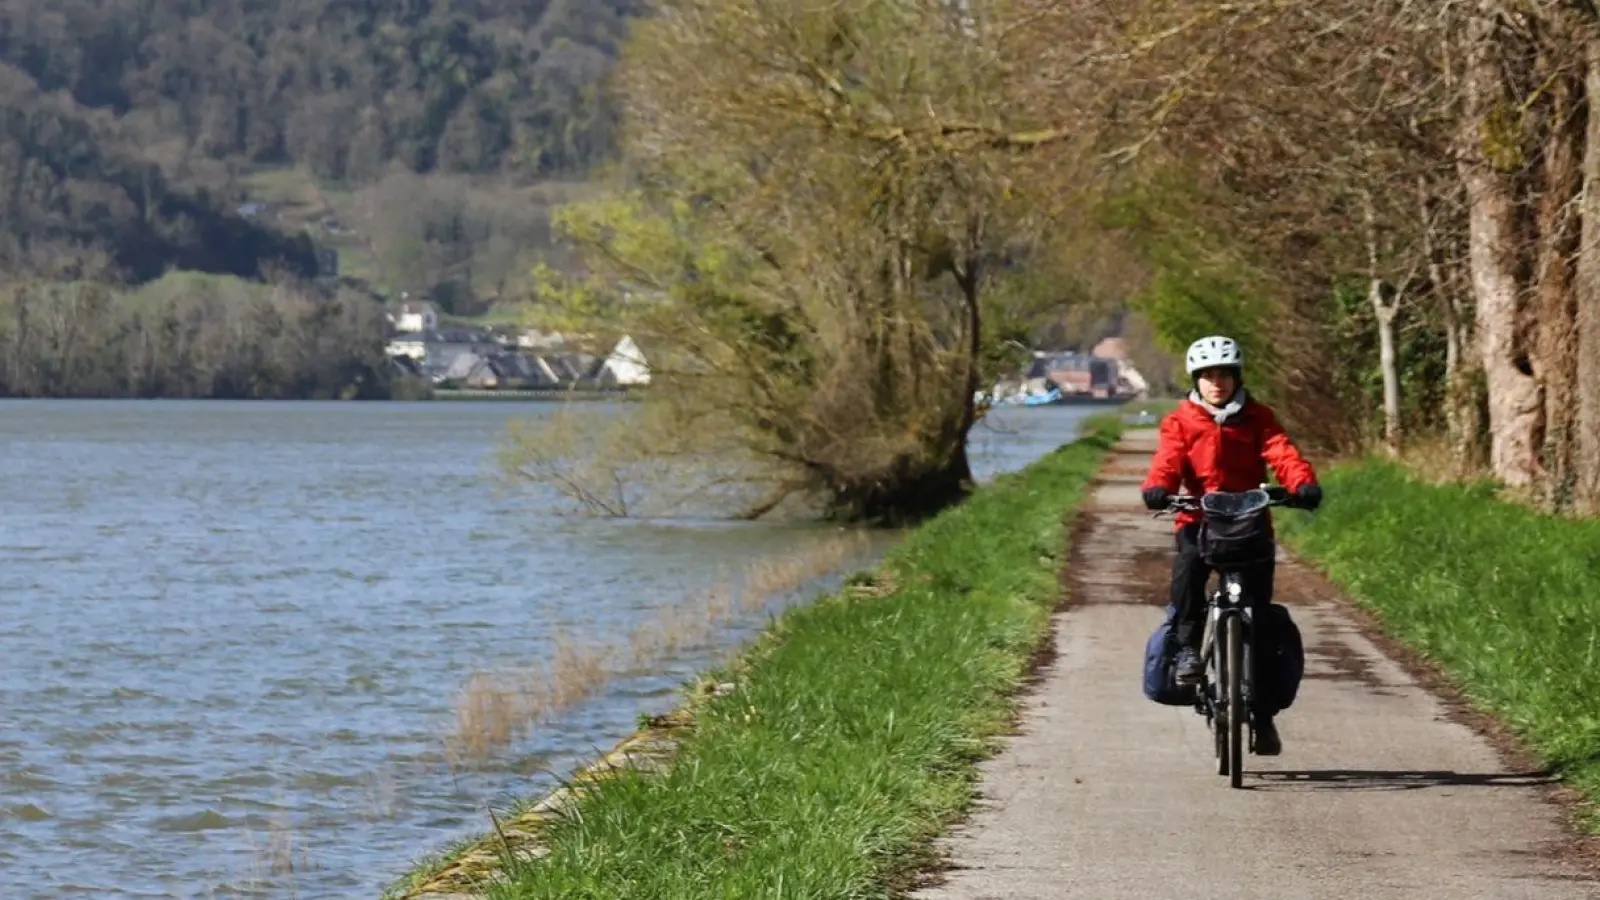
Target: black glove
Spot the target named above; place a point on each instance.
(1308, 496)
(1155, 498)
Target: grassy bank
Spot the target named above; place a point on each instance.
(851, 735)
(1505, 600)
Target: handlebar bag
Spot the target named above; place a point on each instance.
(1230, 541)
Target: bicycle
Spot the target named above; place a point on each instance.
(1233, 535)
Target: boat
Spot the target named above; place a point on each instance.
(1092, 400)
(1049, 398)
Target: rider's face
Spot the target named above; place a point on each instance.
(1217, 385)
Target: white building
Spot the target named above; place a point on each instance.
(625, 365)
(534, 339)
(409, 344)
(416, 316)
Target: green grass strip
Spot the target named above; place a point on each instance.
(1505, 600)
(852, 735)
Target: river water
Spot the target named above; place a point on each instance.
(234, 634)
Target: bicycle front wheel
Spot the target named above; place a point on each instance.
(1216, 691)
(1236, 711)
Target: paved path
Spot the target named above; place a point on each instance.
(1105, 795)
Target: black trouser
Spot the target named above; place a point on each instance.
(1189, 575)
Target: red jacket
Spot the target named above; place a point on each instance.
(1201, 455)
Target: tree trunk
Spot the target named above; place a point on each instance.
(1384, 309)
(1586, 462)
(1461, 421)
(914, 491)
(969, 277)
(1560, 234)
(1495, 244)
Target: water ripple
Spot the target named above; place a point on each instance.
(204, 820)
(27, 812)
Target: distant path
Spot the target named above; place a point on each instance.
(1381, 792)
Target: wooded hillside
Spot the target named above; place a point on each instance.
(127, 127)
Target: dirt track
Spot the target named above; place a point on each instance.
(1385, 788)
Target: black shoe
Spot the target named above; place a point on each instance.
(1267, 741)
(1187, 666)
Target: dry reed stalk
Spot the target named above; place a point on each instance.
(495, 709)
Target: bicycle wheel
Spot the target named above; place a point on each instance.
(1236, 712)
(1216, 689)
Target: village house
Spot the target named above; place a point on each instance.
(412, 345)
(482, 360)
(624, 366)
(534, 339)
(1103, 373)
(1130, 381)
(1076, 374)
(414, 316)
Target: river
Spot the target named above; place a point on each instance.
(234, 634)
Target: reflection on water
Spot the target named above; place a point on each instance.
(235, 633)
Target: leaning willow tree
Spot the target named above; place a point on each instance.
(815, 204)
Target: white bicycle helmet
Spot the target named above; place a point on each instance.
(1210, 352)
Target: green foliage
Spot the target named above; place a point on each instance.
(852, 733)
(1419, 346)
(1198, 286)
(1502, 134)
(1028, 301)
(1504, 599)
(662, 266)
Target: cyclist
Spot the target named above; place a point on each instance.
(1221, 439)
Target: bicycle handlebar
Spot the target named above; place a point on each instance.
(1276, 496)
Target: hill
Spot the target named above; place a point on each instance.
(131, 131)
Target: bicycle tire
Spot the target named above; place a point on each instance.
(1236, 712)
(1217, 697)
(1222, 747)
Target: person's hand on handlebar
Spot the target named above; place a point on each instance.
(1155, 498)
(1308, 496)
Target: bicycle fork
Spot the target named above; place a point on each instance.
(1227, 601)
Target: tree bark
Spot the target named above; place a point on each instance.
(913, 491)
(969, 277)
(1495, 246)
(1586, 462)
(1556, 362)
